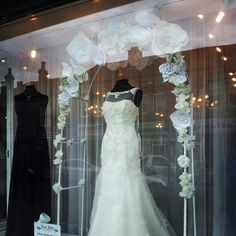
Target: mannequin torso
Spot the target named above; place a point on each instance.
(122, 85)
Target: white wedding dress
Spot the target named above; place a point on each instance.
(123, 204)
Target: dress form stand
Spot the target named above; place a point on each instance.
(30, 187)
(122, 85)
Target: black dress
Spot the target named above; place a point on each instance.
(30, 189)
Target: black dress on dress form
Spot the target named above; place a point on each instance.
(30, 188)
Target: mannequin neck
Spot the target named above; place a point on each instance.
(30, 90)
(122, 85)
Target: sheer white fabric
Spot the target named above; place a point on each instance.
(123, 204)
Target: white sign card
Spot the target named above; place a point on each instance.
(42, 229)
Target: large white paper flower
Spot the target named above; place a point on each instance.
(181, 120)
(66, 70)
(168, 38)
(139, 36)
(113, 39)
(80, 48)
(146, 18)
(183, 161)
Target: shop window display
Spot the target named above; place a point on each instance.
(92, 56)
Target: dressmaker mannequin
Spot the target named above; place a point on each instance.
(122, 85)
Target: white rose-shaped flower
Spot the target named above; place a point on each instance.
(60, 126)
(59, 154)
(181, 78)
(180, 120)
(80, 48)
(64, 98)
(62, 119)
(57, 188)
(58, 139)
(140, 36)
(82, 77)
(183, 106)
(183, 161)
(57, 161)
(168, 38)
(107, 41)
(72, 87)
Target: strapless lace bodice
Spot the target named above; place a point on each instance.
(119, 115)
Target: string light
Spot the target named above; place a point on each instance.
(33, 18)
(200, 16)
(3, 60)
(220, 16)
(234, 79)
(206, 96)
(33, 53)
(218, 49)
(25, 68)
(231, 73)
(199, 99)
(234, 85)
(224, 58)
(211, 36)
(97, 93)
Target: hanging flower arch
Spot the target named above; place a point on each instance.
(110, 45)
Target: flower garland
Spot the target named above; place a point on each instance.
(68, 89)
(174, 72)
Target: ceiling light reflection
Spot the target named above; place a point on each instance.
(200, 16)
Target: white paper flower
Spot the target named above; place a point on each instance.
(139, 36)
(62, 119)
(57, 161)
(66, 70)
(70, 142)
(183, 161)
(168, 38)
(113, 39)
(57, 188)
(58, 139)
(59, 154)
(182, 106)
(72, 87)
(180, 120)
(181, 78)
(82, 77)
(182, 97)
(65, 110)
(60, 126)
(146, 18)
(64, 98)
(80, 48)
